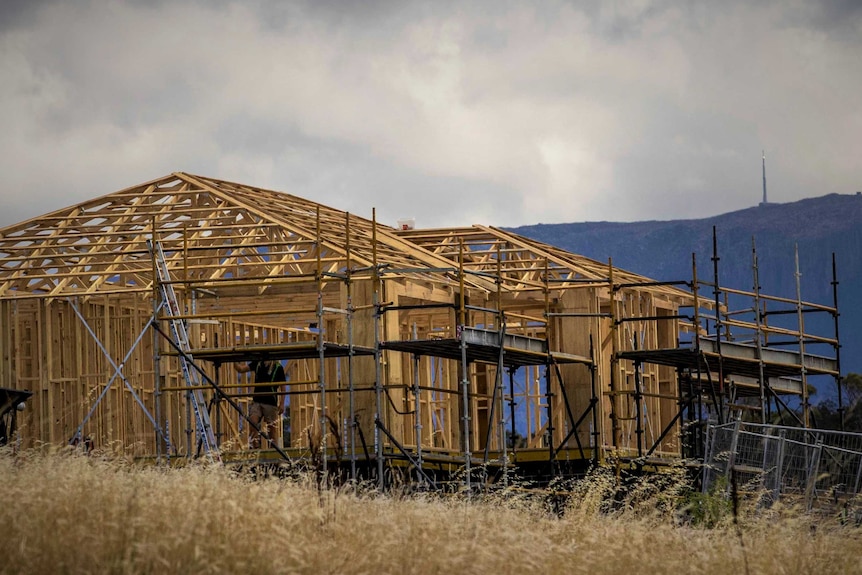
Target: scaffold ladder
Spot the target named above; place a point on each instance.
(206, 437)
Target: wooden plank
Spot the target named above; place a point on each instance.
(364, 367)
(572, 335)
(6, 345)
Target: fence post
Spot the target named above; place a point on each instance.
(731, 458)
(858, 477)
(764, 464)
(734, 441)
(711, 430)
(779, 465)
(811, 483)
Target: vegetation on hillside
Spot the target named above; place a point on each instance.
(74, 514)
(826, 414)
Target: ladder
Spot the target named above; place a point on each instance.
(206, 437)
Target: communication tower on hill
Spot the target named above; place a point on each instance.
(764, 202)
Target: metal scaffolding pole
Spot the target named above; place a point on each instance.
(639, 430)
(695, 294)
(320, 349)
(835, 314)
(498, 387)
(614, 360)
(801, 326)
(761, 380)
(594, 401)
(504, 456)
(465, 368)
(378, 387)
(351, 391)
(417, 412)
(512, 406)
(716, 291)
(157, 361)
(549, 394)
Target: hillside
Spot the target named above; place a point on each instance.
(820, 226)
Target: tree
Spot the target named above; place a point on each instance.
(826, 414)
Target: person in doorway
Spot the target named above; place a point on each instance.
(266, 405)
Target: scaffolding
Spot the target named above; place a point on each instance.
(741, 366)
(396, 344)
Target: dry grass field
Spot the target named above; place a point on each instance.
(74, 514)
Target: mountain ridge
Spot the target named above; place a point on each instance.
(664, 250)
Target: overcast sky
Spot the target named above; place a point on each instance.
(503, 113)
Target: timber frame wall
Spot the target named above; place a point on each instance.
(432, 349)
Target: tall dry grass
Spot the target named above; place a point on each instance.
(73, 514)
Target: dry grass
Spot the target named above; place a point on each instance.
(72, 514)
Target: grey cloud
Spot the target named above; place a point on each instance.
(19, 13)
(372, 18)
(351, 178)
(841, 16)
(498, 112)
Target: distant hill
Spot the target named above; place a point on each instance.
(820, 226)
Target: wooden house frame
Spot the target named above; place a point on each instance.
(442, 348)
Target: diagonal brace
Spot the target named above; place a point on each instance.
(118, 372)
(404, 452)
(221, 393)
(574, 424)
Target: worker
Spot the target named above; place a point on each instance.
(266, 403)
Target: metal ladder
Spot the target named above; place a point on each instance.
(206, 437)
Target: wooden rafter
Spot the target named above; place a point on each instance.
(211, 229)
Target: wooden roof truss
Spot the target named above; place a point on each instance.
(527, 266)
(212, 232)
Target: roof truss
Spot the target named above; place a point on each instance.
(211, 230)
(525, 265)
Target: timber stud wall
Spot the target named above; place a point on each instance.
(49, 350)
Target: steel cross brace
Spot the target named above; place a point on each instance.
(118, 372)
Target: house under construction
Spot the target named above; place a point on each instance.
(424, 352)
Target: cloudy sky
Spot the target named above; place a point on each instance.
(496, 112)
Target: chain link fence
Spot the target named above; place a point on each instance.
(809, 466)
